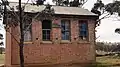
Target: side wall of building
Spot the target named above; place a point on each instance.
(8, 48)
(55, 52)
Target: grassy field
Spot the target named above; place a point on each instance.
(2, 58)
(108, 61)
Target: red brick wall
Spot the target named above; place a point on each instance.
(8, 50)
(38, 52)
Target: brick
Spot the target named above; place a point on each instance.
(55, 53)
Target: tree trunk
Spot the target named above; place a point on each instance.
(21, 52)
(0, 50)
(21, 44)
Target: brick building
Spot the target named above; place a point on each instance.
(65, 40)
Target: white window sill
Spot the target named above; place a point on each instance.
(83, 41)
(46, 42)
(65, 42)
(26, 43)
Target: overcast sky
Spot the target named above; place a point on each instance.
(105, 31)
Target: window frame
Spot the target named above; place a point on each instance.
(83, 38)
(67, 31)
(27, 23)
(47, 30)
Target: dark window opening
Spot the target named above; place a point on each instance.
(46, 30)
(83, 30)
(65, 29)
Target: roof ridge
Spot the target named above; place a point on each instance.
(58, 9)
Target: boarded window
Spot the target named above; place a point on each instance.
(46, 30)
(83, 29)
(65, 29)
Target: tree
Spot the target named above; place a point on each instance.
(40, 2)
(21, 44)
(20, 19)
(110, 8)
(97, 6)
(107, 47)
(1, 36)
(57, 2)
(74, 3)
(1, 43)
(117, 30)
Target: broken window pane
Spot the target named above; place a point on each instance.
(65, 29)
(83, 29)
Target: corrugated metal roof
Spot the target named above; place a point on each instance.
(58, 9)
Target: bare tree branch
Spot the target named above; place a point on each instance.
(11, 34)
(25, 4)
(84, 2)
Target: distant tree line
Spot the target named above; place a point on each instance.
(108, 47)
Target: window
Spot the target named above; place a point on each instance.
(46, 30)
(65, 29)
(27, 30)
(83, 29)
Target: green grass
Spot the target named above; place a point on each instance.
(2, 58)
(108, 61)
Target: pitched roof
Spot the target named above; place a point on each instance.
(58, 9)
